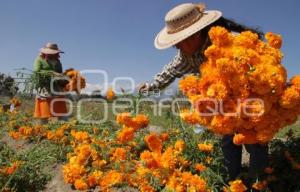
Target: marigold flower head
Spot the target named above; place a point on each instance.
(220, 36)
(274, 40)
(125, 135)
(153, 142)
(80, 136)
(11, 169)
(290, 98)
(111, 178)
(189, 85)
(14, 134)
(200, 167)
(119, 154)
(73, 172)
(246, 39)
(164, 136)
(237, 186)
(168, 159)
(260, 185)
(296, 82)
(93, 178)
(150, 159)
(80, 184)
(179, 145)
(189, 117)
(205, 147)
(110, 94)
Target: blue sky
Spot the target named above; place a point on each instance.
(117, 36)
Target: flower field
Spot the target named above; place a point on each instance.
(127, 154)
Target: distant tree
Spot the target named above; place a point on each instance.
(7, 85)
(96, 94)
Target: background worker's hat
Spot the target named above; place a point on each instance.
(50, 49)
(183, 21)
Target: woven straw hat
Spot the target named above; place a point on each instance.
(50, 49)
(183, 21)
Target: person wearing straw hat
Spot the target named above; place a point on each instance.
(48, 62)
(186, 29)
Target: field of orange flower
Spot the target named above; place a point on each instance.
(126, 153)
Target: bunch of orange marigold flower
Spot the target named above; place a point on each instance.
(243, 88)
(130, 125)
(77, 81)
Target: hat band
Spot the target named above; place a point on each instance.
(186, 25)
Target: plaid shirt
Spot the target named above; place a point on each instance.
(179, 66)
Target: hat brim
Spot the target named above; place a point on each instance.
(50, 51)
(165, 40)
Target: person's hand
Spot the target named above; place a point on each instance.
(144, 87)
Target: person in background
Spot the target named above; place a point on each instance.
(45, 105)
(187, 27)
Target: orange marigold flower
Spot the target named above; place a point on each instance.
(119, 154)
(290, 98)
(239, 139)
(149, 159)
(179, 145)
(189, 85)
(50, 135)
(220, 36)
(81, 136)
(260, 185)
(168, 159)
(72, 172)
(237, 186)
(80, 184)
(153, 142)
(125, 135)
(200, 167)
(205, 147)
(10, 170)
(296, 82)
(274, 40)
(111, 178)
(164, 136)
(122, 118)
(141, 121)
(110, 94)
(14, 134)
(94, 177)
(246, 39)
(195, 182)
(189, 117)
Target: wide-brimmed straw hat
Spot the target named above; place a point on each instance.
(50, 48)
(183, 21)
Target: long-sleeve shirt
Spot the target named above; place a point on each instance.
(40, 65)
(179, 66)
(47, 65)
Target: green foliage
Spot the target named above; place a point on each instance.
(35, 168)
(288, 176)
